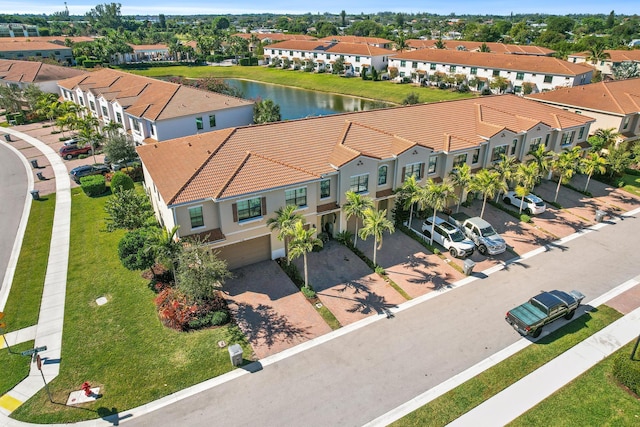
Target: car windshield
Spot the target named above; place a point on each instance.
(540, 203)
(457, 236)
(487, 231)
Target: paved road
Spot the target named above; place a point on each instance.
(13, 190)
(353, 379)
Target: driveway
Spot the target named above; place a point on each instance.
(410, 265)
(270, 310)
(346, 285)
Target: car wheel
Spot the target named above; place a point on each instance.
(68, 157)
(453, 252)
(570, 314)
(537, 332)
(482, 249)
(507, 200)
(528, 211)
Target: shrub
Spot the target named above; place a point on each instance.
(132, 250)
(308, 291)
(82, 156)
(93, 185)
(173, 309)
(135, 172)
(627, 372)
(90, 63)
(525, 218)
(436, 251)
(215, 318)
(380, 270)
(121, 181)
(345, 237)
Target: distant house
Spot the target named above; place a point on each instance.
(18, 30)
(12, 48)
(154, 110)
(605, 66)
(613, 104)
(145, 53)
(372, 41)
(223, 186)
(45, 76)
(472, 46)
(542, 72)
(273, 37)
(323, 54)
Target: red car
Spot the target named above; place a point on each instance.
(70, 151)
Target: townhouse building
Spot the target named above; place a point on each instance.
(223, 186)
(542, 73)
(144, 53)
(323, 54)
(606, 64)
(613, 104)
(373, 41)
(473, 46)
(18, 30)
(45, 76)
(13, 48)
(153, 110)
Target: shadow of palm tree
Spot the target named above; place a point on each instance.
(356, 285)
(371, 303)
(263, 323)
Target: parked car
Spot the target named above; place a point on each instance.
(120, 164)
(531, 205)
(86, 170)
(70, 151)
(449, 236)
(487, 240)
(72, 141)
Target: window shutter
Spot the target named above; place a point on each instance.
(421, 170)
(264, 206)
(403, 172)
(234, 208)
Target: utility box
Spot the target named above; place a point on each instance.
(35, 194)
(600, 215)
(468, 266)
(235, 353)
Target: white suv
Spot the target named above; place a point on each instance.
(449, 236)
(533, 205)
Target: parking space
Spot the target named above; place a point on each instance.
(410, 265)
(270, 310)
(346, 285)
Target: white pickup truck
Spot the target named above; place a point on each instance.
(486, 239)
(448, 236)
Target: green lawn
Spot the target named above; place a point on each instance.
(593, 399)
(381, 90)
(121, 346)
(15, 367)
(632, 184)
(463, 398)
(23, 305)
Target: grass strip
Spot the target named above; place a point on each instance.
(121, 346)
(378, 90)
(23, 305)
(470, 394)
(15, 367)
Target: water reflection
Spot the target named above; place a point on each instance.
(298, 103)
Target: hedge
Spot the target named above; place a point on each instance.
(93, 185)
(121, 181)
(627, 372)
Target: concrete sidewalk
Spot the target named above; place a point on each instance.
(48, 332)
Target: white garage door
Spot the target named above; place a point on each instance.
(245, 253)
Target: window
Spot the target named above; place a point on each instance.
(625, 123)
(92, 105)
(535, 143)
(414, 64)
(151, 129)
(136, 125)
(359, 183)
(476, 156)
(459, 160)
(548, 79)
(296, 197)
(496, 73)
(382, 175)
(199, 124)
(81, 99)
(315, 55)
(546, 140)
(498, 152)
(415, 170)
(514, 144)
(197, 220)
(452, 68)
(517, 89)
(249, 209)
(474, 70)
(118, 117)
(567, 138)
(212, 121)
(357, 59)
(433, 163)
(403, 63)
(325, 188)
(432, 66)
(519, 76)
(581, 133)
(104, 111)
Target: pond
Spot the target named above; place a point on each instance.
(299, 103)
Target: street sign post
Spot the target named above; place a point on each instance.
(34, 351)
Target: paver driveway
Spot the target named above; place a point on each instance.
(270, 310)
(346, 285)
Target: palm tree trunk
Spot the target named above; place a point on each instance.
(375, 247)
(306, 274)
(433, 226)
(355, 236)
(484, 202)
(587, 186)
(410, 215)
(558, 189)
(521, 203)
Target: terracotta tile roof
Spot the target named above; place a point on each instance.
(143, 47)
(9, 44)
(616, 96)
(151, 98)
(50, 39)
(357, 39)
(472, 46)
(35, 72)
(208, 236)
(331, 47)
(276, 36)
(332, 206)
(536, 64)
(614, 55)
(234, 162)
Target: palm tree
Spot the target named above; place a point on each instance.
(111, 128)
(597, 53)
(355, 206)
(591, 164)
(505, 167)
(461, 177)
(164, 247)
(542, 157)
(375, 223)
(401, 43)
(437, 196)
(565, 166)
(302, 242)
(606, 137)
(488, 183)
(526, 175)
(283, 222)
(409, 191)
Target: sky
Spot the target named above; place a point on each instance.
(459, 7)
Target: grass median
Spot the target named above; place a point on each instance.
(378, 90)
(467, 396)
(121, 346)
(15, 367)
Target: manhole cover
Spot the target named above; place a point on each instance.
(222, 344)
(318, 305)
